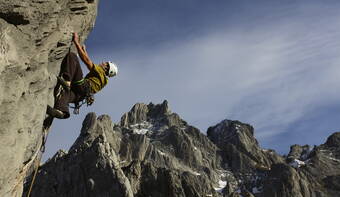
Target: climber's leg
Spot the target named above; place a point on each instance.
(70, 69)
(61, 109)
(70, 73)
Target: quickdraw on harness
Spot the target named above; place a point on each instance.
(88, 99)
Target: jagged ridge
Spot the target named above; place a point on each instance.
(153, 152)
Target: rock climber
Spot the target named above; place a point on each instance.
(75, 87)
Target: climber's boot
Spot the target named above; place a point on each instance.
(55, 112)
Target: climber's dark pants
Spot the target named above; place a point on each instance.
(71, 71)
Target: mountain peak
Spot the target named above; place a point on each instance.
(333, 140)
(241, 151)
(142, 115)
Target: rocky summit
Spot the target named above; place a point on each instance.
(153, 152)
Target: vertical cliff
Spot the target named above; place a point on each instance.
(34, 37)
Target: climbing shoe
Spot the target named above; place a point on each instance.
(55, 112)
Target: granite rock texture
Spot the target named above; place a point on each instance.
(34, 37)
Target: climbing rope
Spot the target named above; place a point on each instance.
(48, 121)
(33, 179)
(46, 126)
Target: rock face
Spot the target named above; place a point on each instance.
(34, 36)
(239, 148)
(312, 172)
(242, 155)
(153, 152)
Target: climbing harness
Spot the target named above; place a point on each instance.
(88, 98)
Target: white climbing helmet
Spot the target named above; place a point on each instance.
(113, 69)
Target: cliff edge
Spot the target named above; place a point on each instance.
(34, 37)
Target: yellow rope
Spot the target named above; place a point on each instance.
(42, 150)
(33, 179)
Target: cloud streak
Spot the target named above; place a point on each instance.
(270, 77)
(272, 72)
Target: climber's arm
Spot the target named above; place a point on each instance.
(82, 52)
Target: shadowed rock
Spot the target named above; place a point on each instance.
(34, 36)
(298, 152)
(239, 148)
(334, 140)
(317, 173)
(153, 152)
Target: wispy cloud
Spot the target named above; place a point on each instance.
(270, 76)
(271, 72)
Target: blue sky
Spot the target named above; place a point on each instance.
(274, 65)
